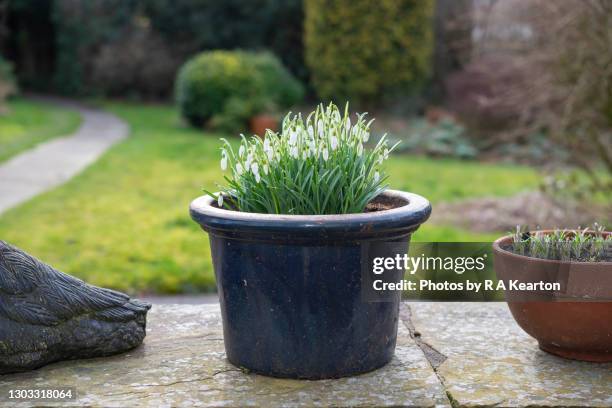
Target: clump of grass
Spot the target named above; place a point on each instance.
(581, 245)
(314, 166)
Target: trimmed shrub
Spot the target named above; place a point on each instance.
(360, 51)
(236, 83)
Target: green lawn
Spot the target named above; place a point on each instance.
(29, 123)
(124, 222)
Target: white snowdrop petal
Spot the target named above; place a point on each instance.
(334, 142)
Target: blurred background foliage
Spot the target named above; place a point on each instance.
(133, 48)
(8, 84)
(525, 81)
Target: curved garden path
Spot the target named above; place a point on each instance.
(51, 164)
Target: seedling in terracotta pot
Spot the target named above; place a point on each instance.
(574, 321)
(288, 234)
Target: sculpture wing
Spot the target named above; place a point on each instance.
(35, 293)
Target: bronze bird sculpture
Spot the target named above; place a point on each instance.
(47, 315)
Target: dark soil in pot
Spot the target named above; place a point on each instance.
(290, 286)
(575, 322)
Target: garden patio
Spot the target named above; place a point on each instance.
(296, 203)
(441, 361)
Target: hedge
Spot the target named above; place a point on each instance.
(362, 51)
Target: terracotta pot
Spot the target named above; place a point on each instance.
(260, 123)
(574, 322)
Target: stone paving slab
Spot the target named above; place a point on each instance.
(182, 363)
(490, 361)
(53, 163)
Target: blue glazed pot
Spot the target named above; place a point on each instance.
(290, 286)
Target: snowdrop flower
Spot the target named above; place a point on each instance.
(310, 131)
(325, 154)
(220, 200)
(320, 128)
(334, 142)
(255, 170)
(348, 122)
(294, 152)
(239, 169)
(336, 115)
(224, 161)
(266, 169)
(241, 151)
(248, 162)
(312, 146)
(366, 136)
(376, 177)
(293, 137)
(359, 149)
(268, 150)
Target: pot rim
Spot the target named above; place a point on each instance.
(503, 240)
(400, 221)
